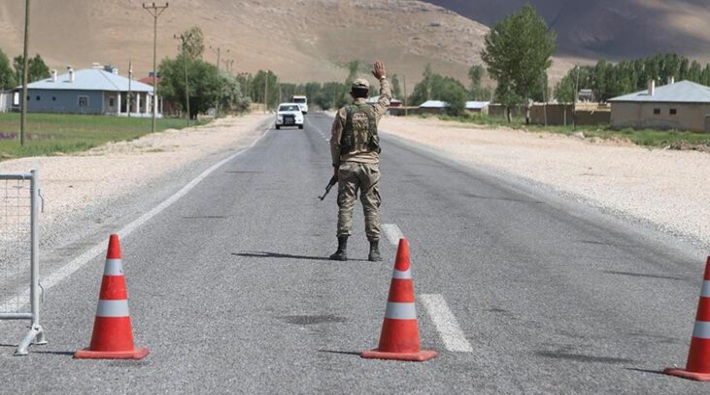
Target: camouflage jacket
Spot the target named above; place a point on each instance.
(363, 154)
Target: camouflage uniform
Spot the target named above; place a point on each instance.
(358, 168)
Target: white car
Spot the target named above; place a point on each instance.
(302, 102)
(289, 114)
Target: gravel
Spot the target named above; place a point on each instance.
(666, 189)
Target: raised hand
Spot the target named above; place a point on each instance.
(379, 70)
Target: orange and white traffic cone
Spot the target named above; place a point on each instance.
(698, 367)
(399, 339)
(113, 336)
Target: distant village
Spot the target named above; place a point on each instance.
(99, 90)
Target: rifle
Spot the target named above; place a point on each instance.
(333, 181)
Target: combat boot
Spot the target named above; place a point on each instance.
(341, 254)
(374, 255)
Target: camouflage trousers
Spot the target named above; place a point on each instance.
(365, 178)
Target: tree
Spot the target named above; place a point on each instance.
(437, 87)
(231, 97)
(287, 91)
(396, 90)
(193, 43)
(475, 74)
(36, 69)
(422, 90)
(244, 80)
(609, 80)
(565, 88)
(517, 53)
(450, 91)
(7, 76)
(265, 82)
(312, 90)
(329, 95)
(477, 91)
(207, 86)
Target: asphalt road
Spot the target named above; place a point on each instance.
(518, 289)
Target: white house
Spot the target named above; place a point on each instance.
(90, 91)
(477, 106)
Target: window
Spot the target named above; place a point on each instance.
(111, 102)
(54, 98)
(656, 111)
(37, 98)
(83, 101)
(673, 111)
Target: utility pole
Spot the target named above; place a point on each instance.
(155, 12)
(182, 48)
(128, 99)
(218, 51)
(266, 89)
(574, 106)
(404, 79)
(228, 63)
(544, 97)
(25, 67)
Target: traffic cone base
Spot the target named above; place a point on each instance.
(687, 375)
(420, 356)
(138, 353)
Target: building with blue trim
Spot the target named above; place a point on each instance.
(89, 91)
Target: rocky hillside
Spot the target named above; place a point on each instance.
(313, 40)
(301, 40)
(609, 29)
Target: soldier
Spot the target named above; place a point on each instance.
(355, 150)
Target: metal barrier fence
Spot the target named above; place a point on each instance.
(19, 259)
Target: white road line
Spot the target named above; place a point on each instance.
(393, 233)
(76, 264)
(446, 324)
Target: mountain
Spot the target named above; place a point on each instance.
(300, 40)
(313, 40)
(609, 29)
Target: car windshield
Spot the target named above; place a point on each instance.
(288, 108)
(299, 100)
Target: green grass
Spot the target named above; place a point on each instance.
(646, 137)
(56, 134)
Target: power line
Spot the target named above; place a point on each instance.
(155, 12)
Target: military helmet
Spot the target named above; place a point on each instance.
(361, 83)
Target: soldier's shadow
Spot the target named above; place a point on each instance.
(266, 254)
